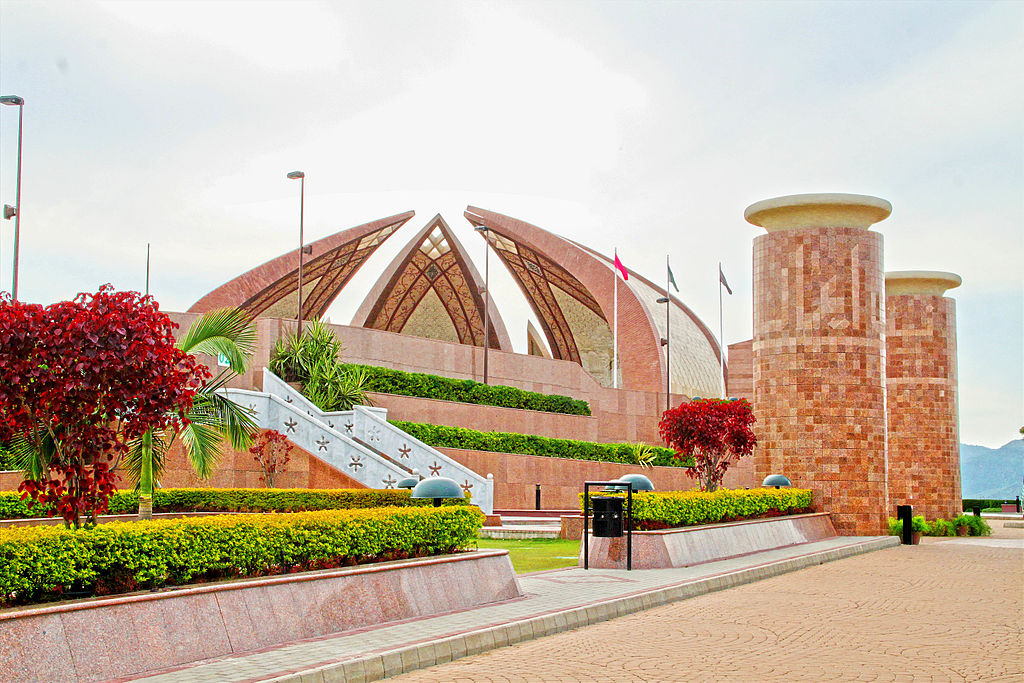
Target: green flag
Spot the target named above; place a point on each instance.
(671, 278)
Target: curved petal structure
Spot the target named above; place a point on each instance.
(270, 290)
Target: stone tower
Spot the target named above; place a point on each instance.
(921, 392)
(819, 352)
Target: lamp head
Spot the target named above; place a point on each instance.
(12, 100)
(296, 175)
(481, 228)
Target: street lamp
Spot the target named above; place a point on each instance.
(487, 293)
(666, 342)
(299, 175)
(15, 211)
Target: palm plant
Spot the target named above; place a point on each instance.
(214, 418)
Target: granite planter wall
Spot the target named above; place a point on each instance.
(72, 641)
(707, 543)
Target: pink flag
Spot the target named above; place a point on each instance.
(621, 268)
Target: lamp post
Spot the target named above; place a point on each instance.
(487, 293)
(666, 342)
(15, 100)
(299, 175)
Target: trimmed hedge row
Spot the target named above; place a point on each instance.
(653, 510)
(976, 526)
(442, 436)
(983, 503)
(42, 563)
(422, 385)
(235, 500)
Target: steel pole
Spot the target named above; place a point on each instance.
(17, 214)
(487, 299)
(302, 211)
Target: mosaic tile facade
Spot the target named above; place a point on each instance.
(921, 382)
(819, 362)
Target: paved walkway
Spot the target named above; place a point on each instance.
(556, 601)
(947, 610)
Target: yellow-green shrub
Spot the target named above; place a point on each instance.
(234, 500)
(660, 510)
(39, 563)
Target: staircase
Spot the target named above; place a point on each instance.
(359, 442)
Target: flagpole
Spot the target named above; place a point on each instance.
(721, 329)
(615, 315)
(147, 268)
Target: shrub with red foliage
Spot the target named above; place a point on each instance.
(80, 379)
(714, 431)
(272, 451)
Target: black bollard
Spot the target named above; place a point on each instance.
(977, 511)
(538, 498)
(1018, 504)
(905, 513)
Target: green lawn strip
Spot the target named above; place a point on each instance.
(536, 554)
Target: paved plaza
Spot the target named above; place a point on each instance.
(951, 609)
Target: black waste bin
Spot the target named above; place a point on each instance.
(607, 516)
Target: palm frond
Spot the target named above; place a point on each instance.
(202, 443)
(228, 331)
(230, 420)
(34, 462)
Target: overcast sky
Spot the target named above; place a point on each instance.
(646, 126)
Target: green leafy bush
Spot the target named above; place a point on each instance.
(442, 436)
(235, 500)
(42, 563)
(421, 385)
(941, 527)
(7, 459)
(984, 503)
(657, 510)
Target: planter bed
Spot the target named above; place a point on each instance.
(70, 641)
(687, 546)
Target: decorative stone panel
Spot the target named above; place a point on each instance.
(819, 354)
(921, 386)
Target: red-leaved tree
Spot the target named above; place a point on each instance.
(272, 451)
(78, 379)
(714, 431)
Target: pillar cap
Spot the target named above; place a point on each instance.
(825, 210)
(926, 282)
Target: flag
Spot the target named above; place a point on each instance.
(621, 268)
(721, 278)
(670, 277)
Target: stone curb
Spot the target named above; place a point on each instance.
(419, 656)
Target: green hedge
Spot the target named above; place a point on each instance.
(233, 500)
(421, 385)
(442, 436)
(976, 526)
(983, 503)
(654, 510)
(42, 563)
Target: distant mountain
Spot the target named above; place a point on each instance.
(992, 472)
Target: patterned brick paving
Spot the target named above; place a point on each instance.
(948, 610)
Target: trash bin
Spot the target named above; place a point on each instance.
(607, 516)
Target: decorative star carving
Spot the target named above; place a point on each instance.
(330, 424)
(390, 482)
(322, 443)
(404, 451)
(348, 427)
(290, 424)
(435, 469)
(467, 486)
(287, 399)
(356, 464)
(374, 433)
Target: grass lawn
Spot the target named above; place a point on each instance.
(536, 554)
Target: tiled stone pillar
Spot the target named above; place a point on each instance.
(921, 391)
(819, 352)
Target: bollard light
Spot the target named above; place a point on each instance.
(776, 480)
(438, 488)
